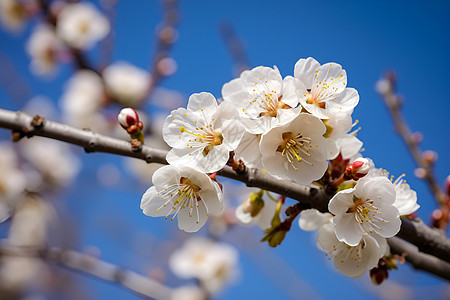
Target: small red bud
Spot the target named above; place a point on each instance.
(128, 117)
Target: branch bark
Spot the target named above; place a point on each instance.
(419, 260)
(138, 284)
(425, 238)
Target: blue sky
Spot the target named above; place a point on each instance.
(365, 37)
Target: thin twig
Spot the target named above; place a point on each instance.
(415, 232)
(95, 267)
(164, 41)
(393, 102)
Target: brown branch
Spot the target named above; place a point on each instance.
(393, 102)
(80, 262)
(419, 260)
(427, 239)
(165, 36)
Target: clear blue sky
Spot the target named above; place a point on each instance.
(365, 37)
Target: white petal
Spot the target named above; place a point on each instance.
(305, 69)
(152, 204)
(188, 222)
(312, 219)
(164, 176)
(376, 188)
(341, 202)
(333, 76)
(242, 216)
(290, 86)
(347, 229)
(202, 103)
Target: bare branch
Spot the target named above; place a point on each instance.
(427, 239)
(84, 263)
(393, 102)
(419, 260)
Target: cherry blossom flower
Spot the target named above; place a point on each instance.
(352, 261)
(203, 134)
(184, 192)
(322, 89)
(262, 98)
(81, 25)
(126, 82)
(264, 215)
(82, 101)
(12, 181)
(338, 129)
(53, 160)
(12, 14)
(405, 197)
(296, 151)
(365, 209)
(214, 264)
(42, 47)
(312, 219)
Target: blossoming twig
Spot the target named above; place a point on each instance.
(73, 260)
(416, 232)
(386, 87)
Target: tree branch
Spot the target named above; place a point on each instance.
(84, 263)
(393, 101)
(419, 260)
(425, 238)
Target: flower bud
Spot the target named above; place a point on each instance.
(254, 204)
(129, 120)
(128, 117)
(359, 168)
(379, 273)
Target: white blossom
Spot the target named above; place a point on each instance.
(82, 101)
(203, 134)
(81, 25)
(52, 159)
(127, 83)
(214, 264)
(338, 129)
(312, 219)
(296, 151)
(365, 209)
(264, 217)
(12, 14)
(405, 197)
(262, 98)
(43, 46)
(184, 192)
(322, 89)
(352, 261)
(12, 181)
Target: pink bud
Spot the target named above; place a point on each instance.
(359, 168)
(128, 117)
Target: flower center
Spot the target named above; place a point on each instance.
(367, 214)
(295, 148)
(267, 99)
(209, 136)
(184, 195)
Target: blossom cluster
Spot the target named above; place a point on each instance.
(297, 128)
